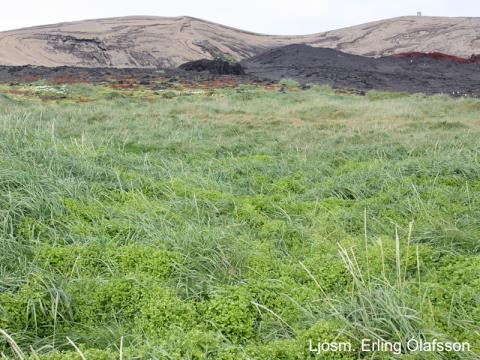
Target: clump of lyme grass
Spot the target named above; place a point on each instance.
(380, 307)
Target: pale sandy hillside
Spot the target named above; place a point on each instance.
(455, 36)
(142, 41)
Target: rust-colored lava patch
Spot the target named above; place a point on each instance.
(474, 59)
(68, 79)
(17, 92)
(123, 86)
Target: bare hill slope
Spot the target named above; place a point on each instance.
(141, 41)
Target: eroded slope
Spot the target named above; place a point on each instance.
(142, 41)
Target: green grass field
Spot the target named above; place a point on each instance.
(236, 224)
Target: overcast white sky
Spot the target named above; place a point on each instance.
(264, 16)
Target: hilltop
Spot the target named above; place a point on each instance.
(146, 41)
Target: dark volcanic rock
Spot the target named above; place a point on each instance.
(157, 79)
(307, 64)
(215, 67)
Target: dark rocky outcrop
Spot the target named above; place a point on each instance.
(214, 67)
(425, 74)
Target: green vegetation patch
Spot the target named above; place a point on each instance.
(243, 223)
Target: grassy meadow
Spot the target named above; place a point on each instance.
(236, 223)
